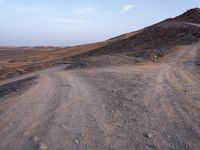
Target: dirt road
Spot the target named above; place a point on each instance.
(150, 106)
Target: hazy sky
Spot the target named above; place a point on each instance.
(69, 22)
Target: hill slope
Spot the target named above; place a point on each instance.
(149, 43)
(158, 38)
(192, 16)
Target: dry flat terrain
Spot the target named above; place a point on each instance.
(15, 61)
(115, 97)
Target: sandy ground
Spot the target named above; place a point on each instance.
(149, 106)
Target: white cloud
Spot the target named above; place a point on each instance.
(85, 10)
(127, 8)
(69, 20)
(90, 9)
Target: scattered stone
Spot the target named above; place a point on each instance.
(154, 56)
(26, 133)
(11, 124)
(119, 125)
(113, 91)
(149, 135)
(64, 126)
(35, 138)
(42, 146)
(77, 141)
(84, 135)
(2, 130)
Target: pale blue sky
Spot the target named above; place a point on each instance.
(71, 22)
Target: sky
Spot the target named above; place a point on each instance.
(73, 22)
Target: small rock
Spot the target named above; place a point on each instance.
(2, 130)
(77, 141)
(64, 126)
(149, 135)
(11, 124)
(84, 135)
(42, 146)
(26, 133)
(35, 138)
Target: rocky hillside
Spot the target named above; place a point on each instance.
(192, 16)
(157, 38)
